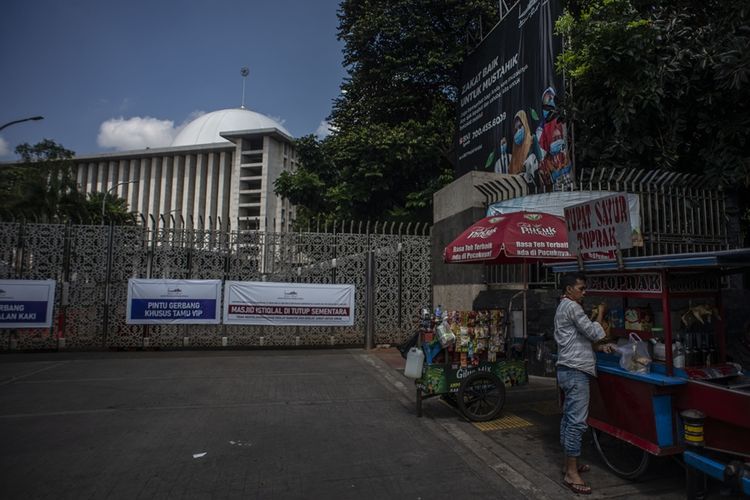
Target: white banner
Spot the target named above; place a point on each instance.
(599, 225)
(159, 302)
(26, 303)
(288, 304)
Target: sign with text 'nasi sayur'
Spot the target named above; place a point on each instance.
(599, 225)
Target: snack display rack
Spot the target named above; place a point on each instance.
(469, 361)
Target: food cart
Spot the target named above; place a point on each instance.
(692, 403)
(472, 368)
(478, 386)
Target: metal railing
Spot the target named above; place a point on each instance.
(92, 264)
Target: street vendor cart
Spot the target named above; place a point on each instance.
(467, 362)
(689, 401)
(481, 359)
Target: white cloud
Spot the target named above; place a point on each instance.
(136, 133)
(4, 148)
(324, 130)
(140, 132)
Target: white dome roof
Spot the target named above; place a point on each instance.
(206, 128)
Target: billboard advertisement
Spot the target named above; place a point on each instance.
(508, 117)
(166, 301)
(288, 304)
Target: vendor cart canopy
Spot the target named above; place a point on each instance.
(726, 259)
(554, 203)
(516, 237)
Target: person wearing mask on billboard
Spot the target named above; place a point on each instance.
(555, 168)
(526, 153)
(503, 159)
(549, 113)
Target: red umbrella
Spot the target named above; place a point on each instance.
(517, 237)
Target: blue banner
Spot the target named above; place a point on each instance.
(154, 301)
(23, 311)
(26, 303)
(173, 309)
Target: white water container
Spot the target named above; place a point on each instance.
(414, 362)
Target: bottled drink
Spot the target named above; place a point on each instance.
(689, 349)
(711, 359)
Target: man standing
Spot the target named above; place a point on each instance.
(575, 335)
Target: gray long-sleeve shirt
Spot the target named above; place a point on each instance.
(574, 334)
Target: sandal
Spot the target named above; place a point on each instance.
(581, 468)
(580, 489)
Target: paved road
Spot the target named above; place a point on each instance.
(251, 424)
(329, 424)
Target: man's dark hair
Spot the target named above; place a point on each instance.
(570, 280)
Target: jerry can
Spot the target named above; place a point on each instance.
(414, 362)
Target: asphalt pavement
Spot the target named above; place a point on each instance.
(307, 424)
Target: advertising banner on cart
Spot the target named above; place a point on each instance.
(509, 100)
(169, 302)
(288, 304)
(26, 303)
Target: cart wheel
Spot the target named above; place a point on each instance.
(481, 397)
(624, 459)
(419, 403)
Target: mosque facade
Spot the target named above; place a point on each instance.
(219, 172)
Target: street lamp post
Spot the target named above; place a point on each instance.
(104, 198)
(33, 118)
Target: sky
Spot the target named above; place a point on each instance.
(121, 75)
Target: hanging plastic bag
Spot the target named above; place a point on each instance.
(634, 356)
(444, 334)
(408, 344)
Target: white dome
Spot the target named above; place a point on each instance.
(206, 128)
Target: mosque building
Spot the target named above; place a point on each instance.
(218, 172)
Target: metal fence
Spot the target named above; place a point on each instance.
(388, 264)
(680, 213)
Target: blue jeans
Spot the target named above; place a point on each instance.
(575, 386)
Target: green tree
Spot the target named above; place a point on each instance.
(394, 122)
(660, 84)
(312, 186)
(42, 186)
(115, 209)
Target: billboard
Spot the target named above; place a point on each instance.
(507, 116)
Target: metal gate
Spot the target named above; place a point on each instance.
(388, 264)
(680, 213)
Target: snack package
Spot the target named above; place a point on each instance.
(639, 319)
(444, 334)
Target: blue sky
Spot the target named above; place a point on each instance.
(154, 65)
